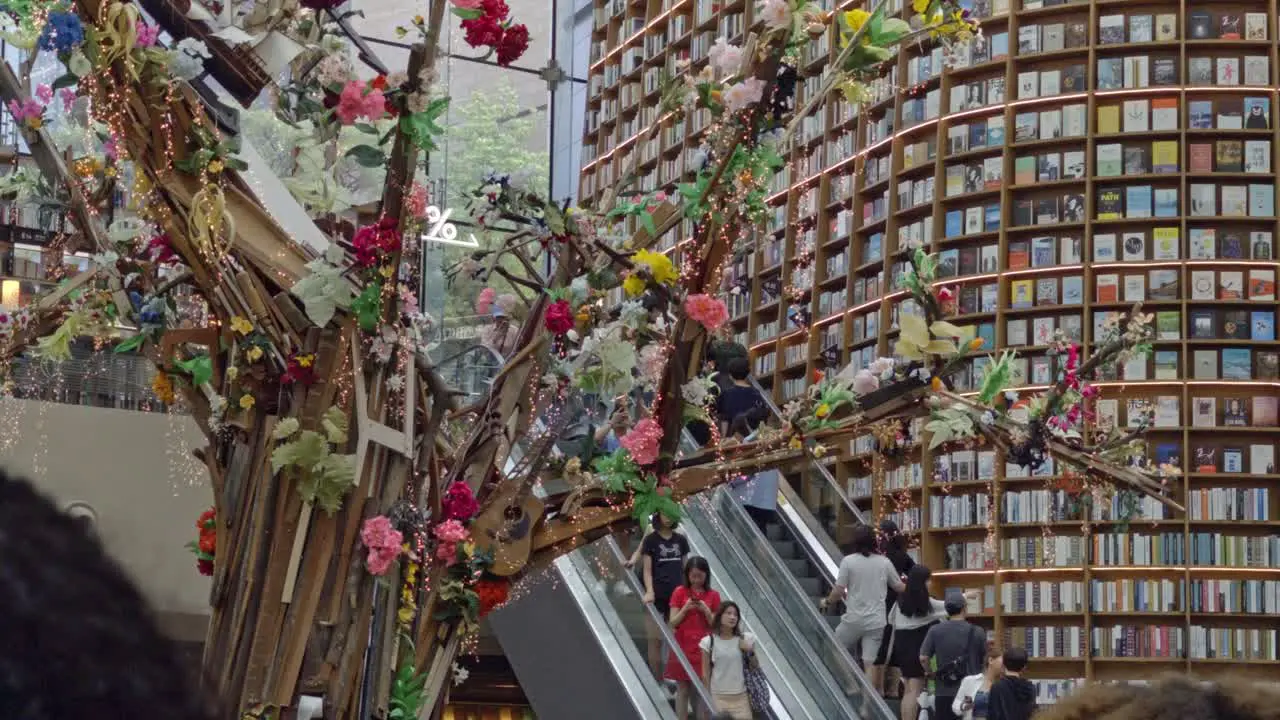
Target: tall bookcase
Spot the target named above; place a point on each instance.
(1144, 160)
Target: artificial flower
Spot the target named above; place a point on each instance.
(186, 60)
(300, 369)
(254, 353)
(246, 401)
(372, 243)
(459, 503)
(919, 6)
(642, 441)
(507, 303)
(358, 100)
(416, 201)
(466, 4)
(447, 553)
(659, 266)
(914, 341)
(45, 93)
(147, 34)
(855, 19)
(559, 317)
(241, 325)
(710, 312)
(653, 361)
(725, 58)
(514, 42)
(486, 30)
(285, 428)
(634, 285)
(739, 96)
(162, 388)
(62, 32)
(450, 531)
(776, 14)
(383, 542)
(865, 381)
(492, 594)
(822, 410)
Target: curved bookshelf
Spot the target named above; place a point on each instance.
(1090, 155)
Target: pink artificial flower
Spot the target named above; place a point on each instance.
(946, 294)
(357, 101)
(484, 301)
(30, 109)
(1073, 356)
(45, 93)
(467, 4)
(447, 552)
(865, 382)
(1088, 391)
(776, 14)
(416, 201)
(642, 441)
(110, 149)
(707, 310)
(68, 98)
(740, 95)
(652, 363)
(383, 541)
(450, 531)
(147, 34)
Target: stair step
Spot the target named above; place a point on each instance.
(799, 567)
(786, 549)
(811, 586)
(775, 532)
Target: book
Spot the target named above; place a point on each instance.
(1203, 285)
(1257, 70)
(1164, 156)
(1164, 284)
(1266, 411)
(1202, 325)
(1260, 245)
(1200, 71)
(1262, 199)
(1234, 201)
(1164, 116)
(1105, 413)
(1230, 285)
(1257, 156)
(1021, 294)
(1204, 412)
(1138, 201)
(1228, 156)
(1133, 245)
(1108, 288)
(1268, 367)
(1164, 71)
(1135, 160)
(1257, 113)
(1072, 290)
(1135, 288)
(1206, 365)
(1226, 71)
(1204, 199)
(1262, 459)
(1137, 115)
(1229, 26)
(1262, 325)
(1141, 28)
(1108, 119)
(1262, 284)
(1237, 364)
(1110, 159)
(1168, 325)
(1104, 248)
(1047, 291)
(1255, 26)
(1232, 460)
(1233, 414)
(1111, 29)
(1110, 204)
(1199, 25)
(1201, 114)
(1167, 410)
(1167, 26)
(1202, 243)
(1164, 244)
(1206, 460)
(1235, 325)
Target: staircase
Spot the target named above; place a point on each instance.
(805, 572)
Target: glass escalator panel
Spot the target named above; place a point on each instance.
(642, 637)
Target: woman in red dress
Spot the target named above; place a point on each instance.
(693, 607)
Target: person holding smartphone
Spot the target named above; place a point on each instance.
(693, 608)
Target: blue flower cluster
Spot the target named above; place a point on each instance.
(63, 32)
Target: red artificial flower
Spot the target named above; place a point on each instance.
(206, 519)
(205, 567)
(372, 243)
(160, 250)
(492, 594)
(301, 369)
(459, 503)
(378, 83)
(483, 31)
(208, 543)
(559, 318)
(513, 44)
(495, 9)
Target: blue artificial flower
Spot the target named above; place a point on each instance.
(62, 33)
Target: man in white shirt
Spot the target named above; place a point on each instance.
(861, 582)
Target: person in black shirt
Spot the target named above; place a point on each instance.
(664, 551)
(894, 546)
(740, 399)
(1013, 697)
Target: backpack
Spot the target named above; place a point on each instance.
(956, 669)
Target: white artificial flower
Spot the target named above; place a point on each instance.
(186, 61)
(460, 674)
(417, 102)
(725, 57)
(776, 14)
(739, 96)
(397, 78)
(285, 428)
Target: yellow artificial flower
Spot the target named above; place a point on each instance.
(241, 325)
(233, 372)
(246, 401)
(919, 6)
(254, 353)
(634, 285)
(162, 388)
(405, 615)
(215, 167)
(306, 360)
(936, 383)
(855, 19)
(819, 450)
(387, 271)
(660, 267)
(796, 443)
(976, 343)
(822, 410)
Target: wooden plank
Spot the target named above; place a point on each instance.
(300, 620)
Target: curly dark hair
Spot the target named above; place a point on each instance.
(1174, 697)
(79, 640)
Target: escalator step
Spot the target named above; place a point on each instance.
(799, 567)
(786, 549)
(811, 586)
(775, 532)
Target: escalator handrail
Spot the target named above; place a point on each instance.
(724, 498)
(813, 460)
(668, 637)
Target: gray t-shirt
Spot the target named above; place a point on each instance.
(865, 579)
(953, 639)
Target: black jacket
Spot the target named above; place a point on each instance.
(1011, 698)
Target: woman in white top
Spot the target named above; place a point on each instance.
(972, 701)
(723, 652)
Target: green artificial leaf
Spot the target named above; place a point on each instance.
(305, 452)
(200, 368)
(646, 221)
(65, 81)
(130, 344)
(891, 31)
(334, 422)
(368, 156)
(617, 471)
(996, 378)
(368, 306)
(466, 13)
(334, 476)
(422, 128)
(366, 128)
